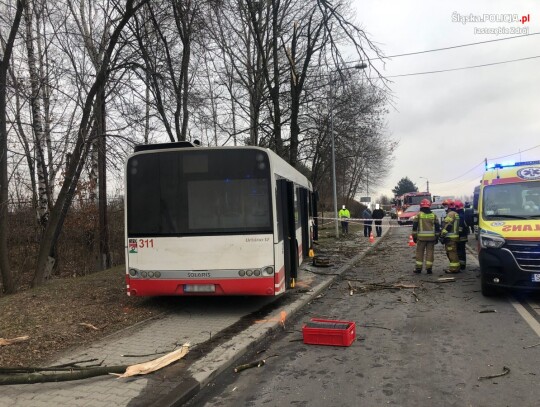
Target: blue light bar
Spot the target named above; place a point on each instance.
(507, 164)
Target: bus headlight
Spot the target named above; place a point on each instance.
(268, 270)
(249, 272)
(257, 273)
(157, 274)
(489, 240)
(242, 273)
(144, 274)
(133, 272)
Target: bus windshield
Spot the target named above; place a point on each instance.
(512, 201)
(187, 192)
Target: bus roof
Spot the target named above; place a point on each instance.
(279, 165)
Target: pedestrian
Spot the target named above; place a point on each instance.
(450, 236)
(463, 233)
(469, 216)
(425, 232)
(344, 216)
(378, 214)
(368, 221)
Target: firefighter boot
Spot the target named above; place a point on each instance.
(429, 271)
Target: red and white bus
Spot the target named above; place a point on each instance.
(214, 221)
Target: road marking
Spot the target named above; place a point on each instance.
(527, 315)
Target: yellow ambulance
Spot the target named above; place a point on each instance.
(509, 227)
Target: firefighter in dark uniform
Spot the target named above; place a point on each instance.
(450, 236)
(425, 232)
(463, 232)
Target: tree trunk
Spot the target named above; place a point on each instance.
(7, 278)
(78, 374)
(37, 120)
(101, 132)
(274, 91)
(78, 155)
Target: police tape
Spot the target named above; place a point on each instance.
(387, 222)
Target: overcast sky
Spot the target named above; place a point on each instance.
(448, 123)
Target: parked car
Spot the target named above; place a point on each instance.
(406, 217)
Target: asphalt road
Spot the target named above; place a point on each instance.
(427, 346)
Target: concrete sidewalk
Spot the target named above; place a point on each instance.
(205, 324)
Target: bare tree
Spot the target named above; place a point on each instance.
(44, 192)
(240, 69)
(96, 38)
(80, 150)
(7, 49)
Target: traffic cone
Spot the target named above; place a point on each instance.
(411, 241)
(371, 238)
(311, 253)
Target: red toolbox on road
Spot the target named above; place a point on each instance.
(329, 332)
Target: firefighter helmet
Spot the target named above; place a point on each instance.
(425, 203)
(458, 204)
(447, 202)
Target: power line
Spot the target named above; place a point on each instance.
(452, 47)
(519, 152)
(462, 175)
(462, 68)
(483, 161)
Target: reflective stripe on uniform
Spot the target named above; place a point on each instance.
(452, 218)
(426, 224)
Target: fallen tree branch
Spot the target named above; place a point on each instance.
(76, 363)
(504, 373)
(257, 363)
(441, 280)
(69, 375)
(156, 364)
(531, 346)
(145, 355)
(5, 342)
(67, 367)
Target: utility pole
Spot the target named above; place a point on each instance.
(427, 183)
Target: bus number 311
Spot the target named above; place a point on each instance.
(146, 243)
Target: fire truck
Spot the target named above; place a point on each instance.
(410, 198)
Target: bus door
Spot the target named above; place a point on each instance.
(313, 199)
(304, 221)
(286, 229)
